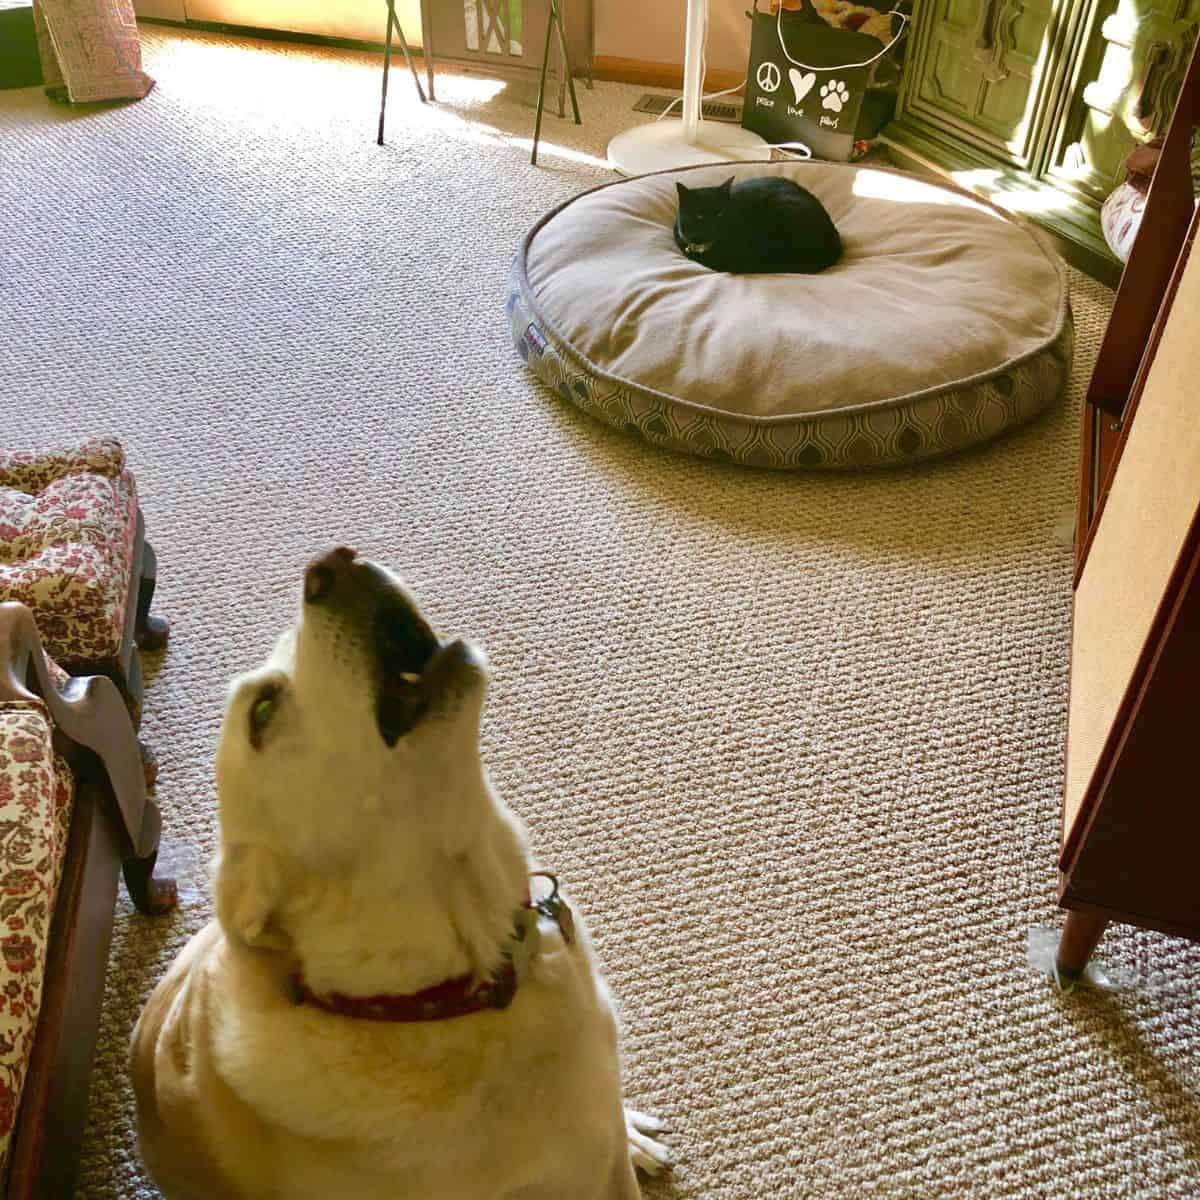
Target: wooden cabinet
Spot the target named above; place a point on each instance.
(975, 66)
(1037, 102)
(1131, 816)
(1131, 810)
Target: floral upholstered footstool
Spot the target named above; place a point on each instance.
(73, 549)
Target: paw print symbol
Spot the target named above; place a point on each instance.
(835, 96)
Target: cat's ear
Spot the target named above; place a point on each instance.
(681, 189)
(727, 186)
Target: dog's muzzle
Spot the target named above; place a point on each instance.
(412, 666)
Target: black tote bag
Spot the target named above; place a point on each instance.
(811, 83)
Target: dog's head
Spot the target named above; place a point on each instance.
(350, 759)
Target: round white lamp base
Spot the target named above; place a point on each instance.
(662, 145)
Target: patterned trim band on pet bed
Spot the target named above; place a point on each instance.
(920, 423)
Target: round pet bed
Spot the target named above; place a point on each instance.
(944, 323)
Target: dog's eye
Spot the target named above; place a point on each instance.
(261, 712)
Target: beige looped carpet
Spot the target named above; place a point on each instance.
(794, 742)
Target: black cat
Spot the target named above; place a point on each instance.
(763, 224)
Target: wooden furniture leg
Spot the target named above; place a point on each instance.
(124, 668)
(150, 895)
(151, 632)
(1080, 935)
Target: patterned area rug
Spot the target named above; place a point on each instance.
(795, 742)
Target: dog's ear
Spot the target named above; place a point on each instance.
(249, 888)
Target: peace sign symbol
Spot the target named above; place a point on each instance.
(768, 77)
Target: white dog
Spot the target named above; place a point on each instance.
(389, 1003)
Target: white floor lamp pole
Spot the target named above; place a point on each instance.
(693, 68)
(668, 143)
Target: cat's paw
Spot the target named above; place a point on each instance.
(835, 95)
(647, 1153)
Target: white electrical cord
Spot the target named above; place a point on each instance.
(795, 149)
(703, 75)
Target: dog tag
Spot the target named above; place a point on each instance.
(559, 911)
(554, 908)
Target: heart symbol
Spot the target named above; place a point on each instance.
(801, 84)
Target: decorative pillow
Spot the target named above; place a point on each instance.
(945, 323)
(90, 50)
(36, 794)
(68, 520)
(1121, 218)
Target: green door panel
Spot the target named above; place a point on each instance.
(979, 67)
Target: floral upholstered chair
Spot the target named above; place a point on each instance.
(73, 809)
(73, 548)
(36, 794)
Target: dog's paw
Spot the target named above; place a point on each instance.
(643, 1122)
(648, 1155)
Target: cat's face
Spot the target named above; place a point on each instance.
(702, 213)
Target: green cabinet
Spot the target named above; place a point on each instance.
(979, 69)
(1036, 103)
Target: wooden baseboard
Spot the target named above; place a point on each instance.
(286, 35)
(617, 70)
(656, 74)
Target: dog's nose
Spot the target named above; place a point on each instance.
(322, 574)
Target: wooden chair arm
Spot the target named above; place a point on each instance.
(89, 711)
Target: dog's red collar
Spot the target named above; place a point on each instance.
(453, 998)
(462, 996)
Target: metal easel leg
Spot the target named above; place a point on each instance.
(387, 64)
(541, 103)
(427, 44)
(412, 66)
(556, 14)
(555, 22)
